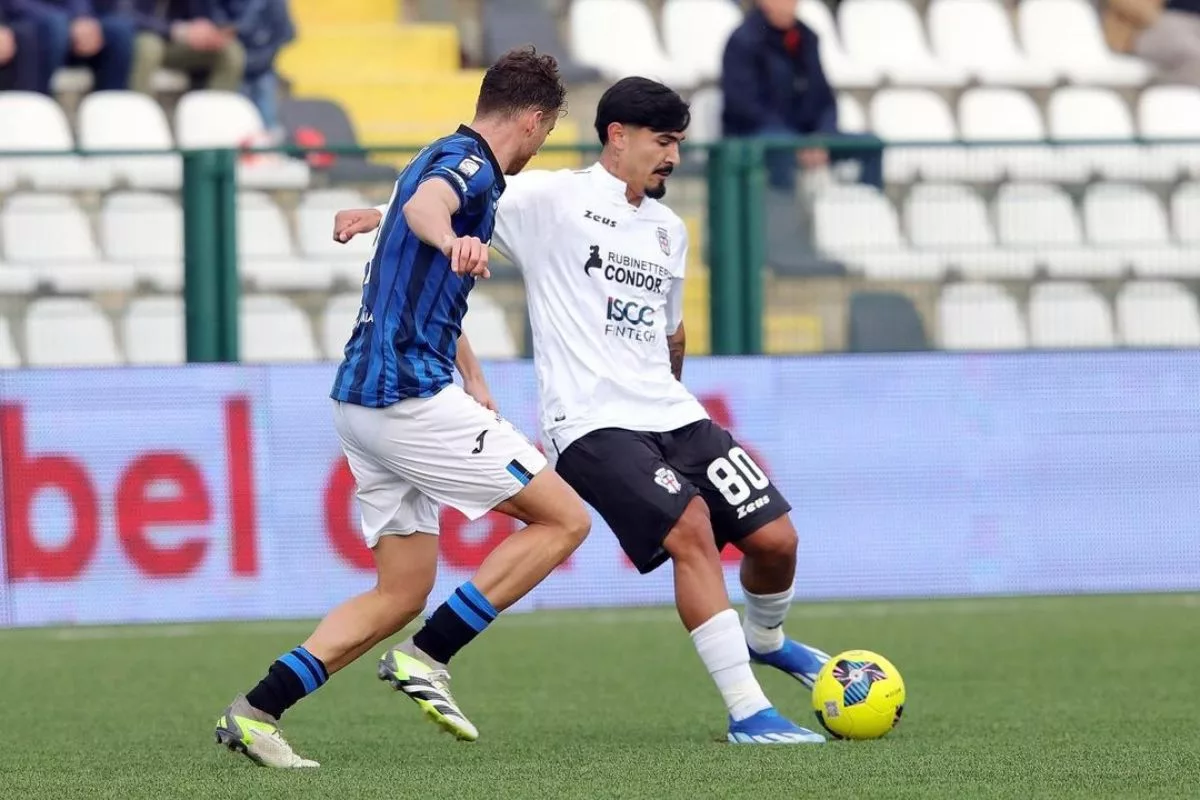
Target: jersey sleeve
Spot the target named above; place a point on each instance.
(469, 174)
(524, 216)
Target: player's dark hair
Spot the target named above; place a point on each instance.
(520, 80)
(644, 103)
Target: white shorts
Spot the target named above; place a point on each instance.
(418, 453)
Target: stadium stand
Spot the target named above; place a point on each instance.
(1041, 190)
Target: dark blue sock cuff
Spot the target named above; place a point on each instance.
(476, 599)
(308, 668)
(469, 604)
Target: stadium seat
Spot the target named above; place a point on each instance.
(950, 222)
(50, 235)
(980, 316)
(695, 32)
(884, 322)
(488, 329)
(145, 230)
(706, 105)
(1040, 219)
(1185, 214)
(1069, 315)
(1157, 314)
(17, 280)
(1129, 219)
(1010, 115)
(857, 225)
(314, 228)
(130, 121)
(208, 118)
(977, 36)
(307, 119)
(887, 35)
(266, 256)
(35, 123)
(273, 329)
(852, 117)
(91, 341)
(841, 71)
(9, 357)
(619, 38)
(1065, 35)
(1078, 113)
(506, 24)
(153, 331)
(1172, 112)
(337, 321)
(922, 117)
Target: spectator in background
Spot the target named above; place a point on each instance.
(182, 35)
(773, 85)
(19, 66)
(263, 27)
(70, 33)
(1166, 34)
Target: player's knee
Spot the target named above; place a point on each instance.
(575, 524)
(774, 542)
(692, 536)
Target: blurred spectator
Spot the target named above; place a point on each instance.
(19, 66)
(774, 85)
(182, 35)
(1165, 34)
(263, 27)
(71, 33)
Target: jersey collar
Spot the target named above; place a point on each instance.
(471, 133)
(612, 185)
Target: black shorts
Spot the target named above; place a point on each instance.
(640, 483)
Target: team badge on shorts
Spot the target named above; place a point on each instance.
(664, 241)
(666, 479)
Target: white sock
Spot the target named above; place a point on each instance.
(723, 651)
(764, 620)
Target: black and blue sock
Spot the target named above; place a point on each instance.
(454, 623)
(293, 676)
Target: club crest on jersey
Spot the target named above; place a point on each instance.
(664, 241)
(666, 479)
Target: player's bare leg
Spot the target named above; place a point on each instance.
(704, 609)
(768, 573)
(405, 569)
(556, 524)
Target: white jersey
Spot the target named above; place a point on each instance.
(604, 281)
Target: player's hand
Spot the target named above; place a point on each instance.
(478, 389)
(350, 223)
(468, 256)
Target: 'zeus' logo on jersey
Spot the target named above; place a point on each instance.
(627, 311)
(612, 223)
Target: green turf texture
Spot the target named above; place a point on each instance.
(1008, 698)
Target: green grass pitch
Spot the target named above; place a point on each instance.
(1008, 698)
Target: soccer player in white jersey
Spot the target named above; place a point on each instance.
(603, 263)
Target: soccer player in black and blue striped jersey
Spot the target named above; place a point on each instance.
(414, 439)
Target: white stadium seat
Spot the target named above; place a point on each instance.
(1069, 315)
(1086, 113)
(696, 32)
(209, 118)
(314, 230)
(858, 226)
(840, 70)
(1157, 314)
(1129, 219)
(90, 343)
(9, 357)
(852, 117)
(1185, 214)
(1040, 219)
(337, 322)
(1065, 35)
(619, 38)
(888, 35)
(153, 331)
(266, 256)
(977, 36)
(35, 123)
(130, 121)
(980, 316)
(50, 235)
(1172, 112)
(706, 106)
(273, 329)
(145, 230)
(921, 116)
(952, 222)
(1010, 115)
(487, 328)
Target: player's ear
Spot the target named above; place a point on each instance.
(616, 135)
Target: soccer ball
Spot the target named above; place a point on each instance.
(858, 695)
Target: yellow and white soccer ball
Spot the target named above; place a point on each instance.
(858, 695)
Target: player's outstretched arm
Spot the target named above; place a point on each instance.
(428, 214)
(472, 374)
(677, 346)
